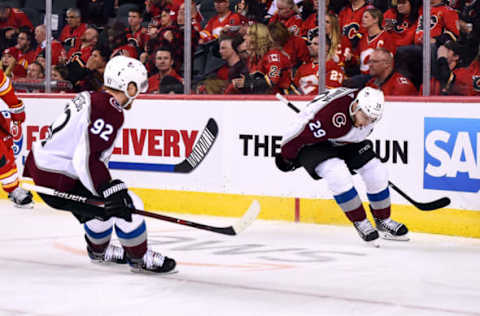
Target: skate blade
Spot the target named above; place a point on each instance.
(388, 236)
(106, 263)
(143, 271)
(24, 206)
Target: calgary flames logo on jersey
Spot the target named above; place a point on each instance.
(350, 30)
(476, 83)
(433, 22)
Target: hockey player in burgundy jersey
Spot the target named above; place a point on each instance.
(74, 158)
(329, 140)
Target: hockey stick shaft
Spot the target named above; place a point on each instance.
(199, 152)
(235, 229)
(428, 206)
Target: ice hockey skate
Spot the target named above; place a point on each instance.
(152, 262)
(113, 254)
(392, 230)
(366, 231)
(21, 198)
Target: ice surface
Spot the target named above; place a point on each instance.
(273, 268)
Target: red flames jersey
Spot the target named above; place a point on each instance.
(125, 50)
(293, 22)
(297, 50)
(7, 94)
(443, 19)
(22, 58)
(396, 84)
(467, 80)
(71, 37)
(58, 52)
(367, 45)
(306, 77)
(216, 24)
(16, 19)
(403, 33)
(276, 66)
(138, 38)
(350, 21)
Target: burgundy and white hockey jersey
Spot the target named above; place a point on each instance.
(80, 143)
(325, 118)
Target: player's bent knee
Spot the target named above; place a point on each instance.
(375, 176)
(336, 174)
(97, 226)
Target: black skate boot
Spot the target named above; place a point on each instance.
(392, 230)
(113, 254)
(152, 262)
(366, 231)
(21, 198)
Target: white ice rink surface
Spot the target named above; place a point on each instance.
(273, 268)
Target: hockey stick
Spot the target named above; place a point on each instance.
(200, 150)
(235, 229)
(427, 206)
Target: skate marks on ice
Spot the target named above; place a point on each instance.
(275, 268)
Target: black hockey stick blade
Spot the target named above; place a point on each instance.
(428, 206)
(246, 220)
(201, 148)
(199, 151)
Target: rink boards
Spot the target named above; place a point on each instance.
(431, 147)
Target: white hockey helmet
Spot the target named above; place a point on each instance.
(371, 101)
(122, 70)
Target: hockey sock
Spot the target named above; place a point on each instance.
(132, 236)
(380, 204)
(351, 205)
(98, 241)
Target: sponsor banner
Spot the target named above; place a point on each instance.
(430, 152)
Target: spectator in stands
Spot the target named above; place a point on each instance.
(91, 78)
(450, 79)
(84, 47)
(96, 12)
(350, 20)
(164, 64)
(154, 8)
(385, 78)
(73, 31)
(117, 41)
(35, 71)
(445, 25)
(294, 46)
(375, 37)
(306, 77)
(224, 21)
(287, 14)
(13, 18)
(268, 61)
(136, 34)
(23, 51)
(252, 10)
(340, 48)
(401, 21)
(58, 52)
(469, 22)
(60, 74)
(237, 68)
(10, 66)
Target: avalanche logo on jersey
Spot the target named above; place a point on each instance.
(452, 154)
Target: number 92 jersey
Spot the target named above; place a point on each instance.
(80, 141)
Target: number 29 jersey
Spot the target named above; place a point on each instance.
(80, 141)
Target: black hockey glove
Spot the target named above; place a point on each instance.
(117, 200)
(284, 164)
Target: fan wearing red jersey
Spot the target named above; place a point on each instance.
(73, 159)
(444, 24)
(11, 124)
(374, 37)
(350, 20)
(306, 76)
(288, 17)
(329, 140)
(224, 21)
(401, 21)
(384, 77)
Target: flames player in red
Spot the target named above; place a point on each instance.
(306, 76)
(384, 77)
(73, 158)
(10, 122)
(328, 139)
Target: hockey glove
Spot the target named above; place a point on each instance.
(284, 164)
(117, 201)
